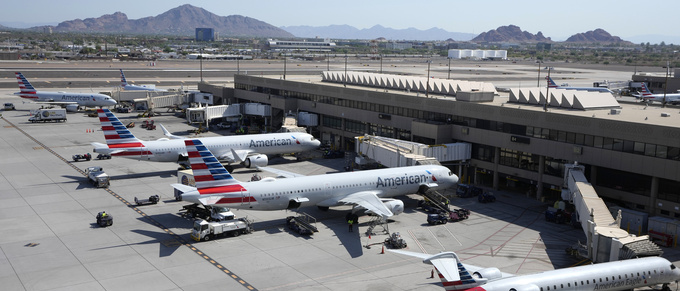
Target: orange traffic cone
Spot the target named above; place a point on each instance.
(383, 250)
(87, 130)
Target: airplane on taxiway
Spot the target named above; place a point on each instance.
(71, 101)
(251, 150)
(130, 87)
(552, 84)
(610, 276)
(370, 190)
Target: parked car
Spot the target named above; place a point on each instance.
(224, 125)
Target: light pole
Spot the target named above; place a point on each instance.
(201, 61)
(344, 80)
(381, 57)
(427, 87)
(665, 85)
(328, 62)
(547, 91)
(238, 66)
(284, 67)
(538, 79)
(449, 76)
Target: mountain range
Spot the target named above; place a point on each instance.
(184, 19)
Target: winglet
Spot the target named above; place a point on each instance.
(452, 272)
(168, 134)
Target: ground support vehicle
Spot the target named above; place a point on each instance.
(86, 157)
(558, 216)
(395, 241)
(467, 191)
(184, 177)
(486, 197)
(302, 224)
(131, 124)
(103, 157)
(9, 106)
(437, 218)
(153, 199)
(148, 124)
(205, 231)
(104, 219)
(97, 177)
(210, 213)
(44, 115)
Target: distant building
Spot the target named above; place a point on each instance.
(398, 45)
(293, 45)
(479, 54)
(205, 34)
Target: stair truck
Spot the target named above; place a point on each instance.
(205, 231)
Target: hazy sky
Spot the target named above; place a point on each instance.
(556, 19)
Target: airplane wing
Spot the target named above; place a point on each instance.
(368, 200)
(168, 134)
(280, 173)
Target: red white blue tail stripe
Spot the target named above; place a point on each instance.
(645, 91)
(123, 82)
(551, 83)
(210, 176)
(27, 90)
(119, 137)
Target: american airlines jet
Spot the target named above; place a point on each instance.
(552, 84)
(610, 276)
(69, 100)
(370, 190)
(251, 150)
(646, 95)
(124, 84)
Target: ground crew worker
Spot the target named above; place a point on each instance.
(104, 214)
(350, 222)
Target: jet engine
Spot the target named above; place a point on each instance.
(258, 160)
(72, 107)
(488, 273)
(394, 205)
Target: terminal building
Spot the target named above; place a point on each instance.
(631, 152)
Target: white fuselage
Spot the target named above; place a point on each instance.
(82, 99)
(619, 275)
(169, 150)
(129, 87)
(323, 190)
(670, 98)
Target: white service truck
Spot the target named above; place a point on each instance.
(205, 231)
(97, 177)
(43, 115)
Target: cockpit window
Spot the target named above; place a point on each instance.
(672, 267)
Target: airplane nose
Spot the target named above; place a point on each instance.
(454, 179)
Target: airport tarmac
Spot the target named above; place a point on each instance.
(49, 239)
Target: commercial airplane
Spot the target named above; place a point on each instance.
(552, 84)
(618, 275)
(646, 95)
(124, 84)
(70, 101)
(251, 150)
(370, 190)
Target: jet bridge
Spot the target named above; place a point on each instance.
(606, 241)
(391, 152)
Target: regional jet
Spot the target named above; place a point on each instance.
(129, 87)
(370, 190)
(71, 101)
(552, 84)
(610, 276)
(250, 150)
(646, 95)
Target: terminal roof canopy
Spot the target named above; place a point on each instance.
(582, 100)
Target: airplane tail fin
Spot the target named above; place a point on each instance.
(644, 91)
(116, 134)
(210, 176)
(123, 82)
(551, 83)
(24, 85)
(168, 134)
(451, 271)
